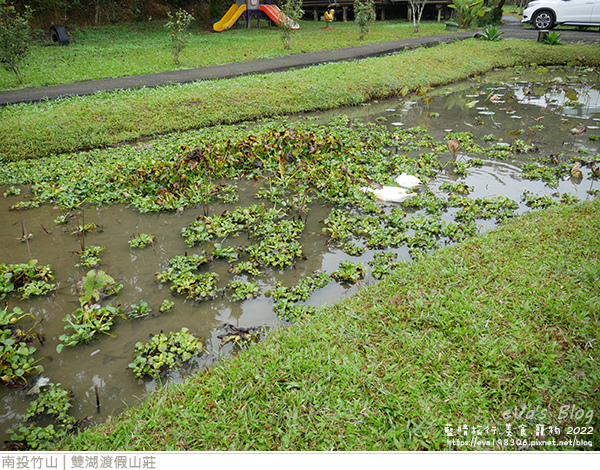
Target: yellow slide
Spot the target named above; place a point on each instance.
(230, 17)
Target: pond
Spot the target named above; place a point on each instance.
(486, 150)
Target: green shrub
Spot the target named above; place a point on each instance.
(14, 37)
(364, 12)
(177, 28)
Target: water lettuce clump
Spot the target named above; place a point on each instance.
(165, 352)
(16, 352)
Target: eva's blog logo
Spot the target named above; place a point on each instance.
(571, 412)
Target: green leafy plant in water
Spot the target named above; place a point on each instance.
(349, 273)
(34, 437)
(244, 290)
(353, 250)
(548, 174)
(500, 208)
(184, 279)
(459, 187)
(52, 402)
(286, 298)
(163, 353)
(142, 240)
(90, 256)
(140, 310)
(229, 253)
(536, 201)
(16, 354)
(83, 229)
(26, 279)
(95, 286)
(86, 322)
(166, 306)
(245, 267)
(12, 191)
(383, 264)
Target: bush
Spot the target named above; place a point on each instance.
(292, 9)
(178, 31)
(15, 34)
(364, 12)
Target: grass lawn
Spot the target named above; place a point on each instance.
(140, 48)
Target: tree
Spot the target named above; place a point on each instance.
(178, 31)
(417, 7)
(364, 12)
(15, 35)
(291, 13)
(467, 11)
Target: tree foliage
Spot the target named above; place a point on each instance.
(15, 35)
(364, 12)
(177, 28)
(291, 13)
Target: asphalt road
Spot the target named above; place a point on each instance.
(512, 28)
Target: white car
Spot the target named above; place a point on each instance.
(546, 14)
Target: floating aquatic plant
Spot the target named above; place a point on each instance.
(349, 273)
(16, 353)
(90, 256)
(165, 352)
(243, 290)
(286, 298)
(142, 240)
(26, 279)
(52, 400)
(140, 310)
(86, 322)
(95, 286)
(383, 264)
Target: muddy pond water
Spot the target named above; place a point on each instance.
(533, 105)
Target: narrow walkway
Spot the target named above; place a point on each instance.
(511, 29)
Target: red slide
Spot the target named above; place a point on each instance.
(274, 13)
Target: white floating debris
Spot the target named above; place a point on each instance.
(397, 124)
(389, 193)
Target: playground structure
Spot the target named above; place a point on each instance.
(251, 7)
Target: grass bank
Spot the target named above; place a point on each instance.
(498, 333)
(79, 123)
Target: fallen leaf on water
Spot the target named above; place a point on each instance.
(579, 130)
(453, 145)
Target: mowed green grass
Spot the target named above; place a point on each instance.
(140, 48)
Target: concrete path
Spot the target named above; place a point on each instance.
(511, 29)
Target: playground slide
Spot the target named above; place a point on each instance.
(273, 12)
(229, 18)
